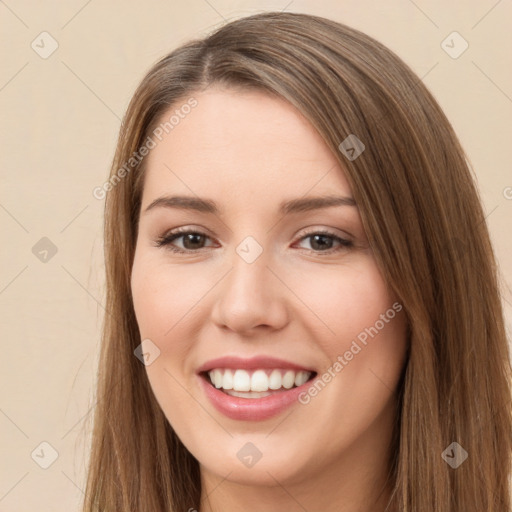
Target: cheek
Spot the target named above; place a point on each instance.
(365, 349)
(361, 329)
(345, 300)
(163, 296)
(337, 303)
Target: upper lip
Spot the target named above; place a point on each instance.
(251, 363)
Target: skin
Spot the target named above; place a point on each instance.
(248, 152)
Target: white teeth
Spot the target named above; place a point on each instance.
(241, 381)
(227, 382)
(275, 380)
(289, 379)
(217, 378)
(259, 381)
(301, 378)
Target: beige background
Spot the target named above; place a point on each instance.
(60, 118)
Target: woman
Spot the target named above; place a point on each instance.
(304, 311)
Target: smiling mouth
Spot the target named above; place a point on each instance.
(257, 383)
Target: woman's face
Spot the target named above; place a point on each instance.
(270, 289)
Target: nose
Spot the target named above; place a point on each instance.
(250, 298)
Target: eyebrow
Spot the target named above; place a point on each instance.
(305, 204)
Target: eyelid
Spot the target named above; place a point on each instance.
(183, 230)
(173, 234)
(345, 242)
(335, 232)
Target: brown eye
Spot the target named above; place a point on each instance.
(192, 241)
(323, 241)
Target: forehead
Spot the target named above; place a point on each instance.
(245, 144)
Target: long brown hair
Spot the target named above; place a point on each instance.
(425, 223)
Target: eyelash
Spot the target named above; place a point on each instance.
(166, 241)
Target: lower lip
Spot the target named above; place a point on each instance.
(251, 409)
